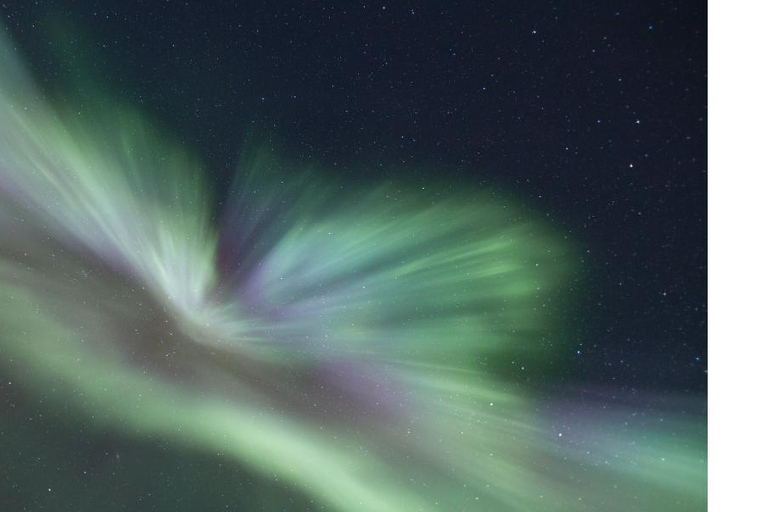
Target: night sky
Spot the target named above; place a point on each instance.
(593, 115)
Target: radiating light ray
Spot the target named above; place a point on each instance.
(338, 339)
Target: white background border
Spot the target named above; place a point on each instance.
(738, 256)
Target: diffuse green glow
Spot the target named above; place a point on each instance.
(335, 339)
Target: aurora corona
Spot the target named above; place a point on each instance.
(343, 340)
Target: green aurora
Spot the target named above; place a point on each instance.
(343, 341)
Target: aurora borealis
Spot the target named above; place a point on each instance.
(371, 347)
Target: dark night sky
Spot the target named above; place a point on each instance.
(593, 113)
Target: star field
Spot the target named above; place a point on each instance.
(302, 256)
